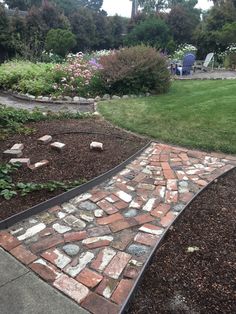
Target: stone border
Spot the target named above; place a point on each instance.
(63, 100)
(66, 196)
(125, 306)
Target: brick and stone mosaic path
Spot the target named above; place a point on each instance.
(93, 247)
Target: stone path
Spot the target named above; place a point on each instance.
(93, 247)
(11, 101)
(211, 75)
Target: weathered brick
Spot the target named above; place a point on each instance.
(79, 264)
(121, 205)
(71, 288)
(75, 236)
(186, 197)
(112, 198)
(169, 174)
(22, 161)
(23, 255)
(109, 219)
(7, 241)
(58, 146)
(89, 278)
(38, 164)
(167, 219)
(98, 196)
(131, 272)
(123, 224)
(45, 139)
(98, 231)
(125, 197)
(46, 243)
(45, 270)
(18, 146)
(57, 258)
(117, 265)
(107, 287)
(122, 291)
(103, 259)
(172, 185)
(171, 197)
(160, 210)
(122, 239)
(96, 304)
(151, 229)
(146, 239)
(107, 207)
(142, 219)
(96, 242)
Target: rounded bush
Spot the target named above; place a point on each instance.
(135, 70)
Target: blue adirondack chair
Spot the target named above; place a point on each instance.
(188, 63)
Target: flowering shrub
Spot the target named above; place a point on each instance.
(182, 50)
(228, 57)
(75, 76)
(135, 70)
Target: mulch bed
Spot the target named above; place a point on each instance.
(202, 281)
(74, 163)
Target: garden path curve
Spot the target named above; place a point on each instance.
(11, 101)
(94, 247)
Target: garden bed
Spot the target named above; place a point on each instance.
(75, 162)
(202, 281)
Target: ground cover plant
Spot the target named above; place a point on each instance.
(21, 188)
(193, 270)
(198, 114)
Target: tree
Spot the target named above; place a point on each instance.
(118, 28)
(4, 34)
(83, 27)
(183, 22)
(153, 32)
(152, 5)
(60, 41)
(91, 4)
(23, 5)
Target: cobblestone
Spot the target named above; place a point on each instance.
(93, 247)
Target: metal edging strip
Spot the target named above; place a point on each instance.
(125, 306)
(64, 197)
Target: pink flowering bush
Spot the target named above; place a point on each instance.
(77, 76)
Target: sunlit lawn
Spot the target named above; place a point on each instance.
(198, 114)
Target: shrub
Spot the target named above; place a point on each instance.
(182, 50)
(135, 70)
(27, 77)
(60, 41)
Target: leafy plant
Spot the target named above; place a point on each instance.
(8, 189)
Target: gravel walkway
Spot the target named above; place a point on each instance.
(93, 247)
(211, 75)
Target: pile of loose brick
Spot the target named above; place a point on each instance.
(16, 151)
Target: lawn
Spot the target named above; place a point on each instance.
(196, 114)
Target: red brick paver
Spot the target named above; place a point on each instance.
(93, 247)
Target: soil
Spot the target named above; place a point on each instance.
(74, 163)
(203, 281)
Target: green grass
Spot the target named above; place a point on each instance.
(195, 114)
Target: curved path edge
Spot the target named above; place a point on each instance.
(95, 246)
(129, 298)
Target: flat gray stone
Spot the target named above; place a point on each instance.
(178, 207)
(131, 213)
(138, 249)
(10, 269)
(87, 205)
(30, 295)
(13, 152)
(71, 249)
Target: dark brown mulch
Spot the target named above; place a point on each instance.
(75, 162)
(203, 281)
